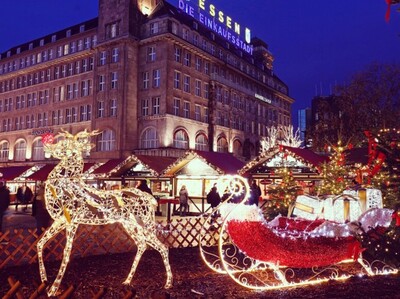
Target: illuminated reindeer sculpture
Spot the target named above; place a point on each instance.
(71, 202)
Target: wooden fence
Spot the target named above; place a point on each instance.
(18, 246)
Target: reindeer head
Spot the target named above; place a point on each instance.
(71, 146)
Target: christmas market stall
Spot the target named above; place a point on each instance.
(199, 171)
(283, 172)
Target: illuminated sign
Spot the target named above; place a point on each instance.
(220, 23)
(262, 98)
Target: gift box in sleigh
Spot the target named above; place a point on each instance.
(287, 251)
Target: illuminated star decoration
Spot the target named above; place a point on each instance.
(71, 202)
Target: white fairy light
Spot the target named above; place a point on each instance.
(227, 261)
(71, 202)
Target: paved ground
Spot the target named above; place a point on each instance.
(18, 219)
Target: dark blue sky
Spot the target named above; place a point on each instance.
(316, 43)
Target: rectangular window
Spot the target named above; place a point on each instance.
(177, 80)
(206, 88)
(100, 109)
(113, 107)
(151, 54)
(177, 106)
(156, 78)
(197, 112)
(102, 82)
(103, 58)
(115, 55)
(186, 109)
(145, 107)
(206, 68)
(186, 83)
(178, 53)
(198, 88)
(156, 105)
(205, 114)
(114, 80)
(198, 63)
(154, 28)
(146, 79)
(187, 58)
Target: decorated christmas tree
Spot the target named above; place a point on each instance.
(384, 166)
(335, 172)
(283, 194)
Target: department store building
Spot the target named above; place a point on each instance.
(154, 78)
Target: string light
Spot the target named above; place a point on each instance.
(71, 202)
(249, 247)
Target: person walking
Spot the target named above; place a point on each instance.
(43, 219)
(4, 202)
(183, 201)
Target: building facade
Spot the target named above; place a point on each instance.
(150, 77)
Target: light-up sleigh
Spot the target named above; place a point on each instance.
(287, 251)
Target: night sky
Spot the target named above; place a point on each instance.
(316, 43)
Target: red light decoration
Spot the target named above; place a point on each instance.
(48, 138)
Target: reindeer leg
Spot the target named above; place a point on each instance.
(52, 231)
(141, 248)
(154, 242)
(71, 230)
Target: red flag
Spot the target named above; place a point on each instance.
(387, 15)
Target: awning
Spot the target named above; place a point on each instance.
(9, 173)
(152, 164)
(110, 168)
(42, 173)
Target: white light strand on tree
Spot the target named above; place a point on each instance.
(71, 202)
(283, 135)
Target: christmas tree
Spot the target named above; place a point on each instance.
(281, 195)
(335, 172)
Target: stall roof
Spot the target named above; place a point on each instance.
(113, 167)
(42, 173)
(155, 164)
(223, 163)
(305, 155)
(9, 173)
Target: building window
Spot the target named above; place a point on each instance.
(156, 105)
(198, 88)
(4, 151)
(187, 58)
(206, 115)
(115, 55)
(237, 148)
(145, 107)
(197, 112)
(154, 28)
(20, 151)
(186, 109)
(102, 82)
(146, 79)
(206, 89)
(206, 68)
(113, 107)
(186, 83)
(149, 138)
(177, 106)
(178, 53)
(198, 63)
(106, 141)
(37, 150)
(100, 109)
(112, 30)
(201, 143)
(103, 58)
(151, 54)
(177, 80)
(181, 139)
(175, 28)
(85, 113)
(185, 34)
(156, 78)
(222, 145)
(114, 80)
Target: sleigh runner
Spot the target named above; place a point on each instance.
(285, 252)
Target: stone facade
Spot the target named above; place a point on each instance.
(148, 77)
